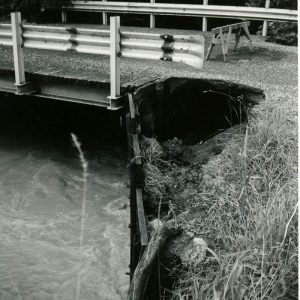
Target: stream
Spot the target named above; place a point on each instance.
(41, 190)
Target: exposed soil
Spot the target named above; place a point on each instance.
(184, 175)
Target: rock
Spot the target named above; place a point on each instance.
(173, 148)
(154, 225)
(194, 252)
(189, 249)
(151, 149)
(243, 61)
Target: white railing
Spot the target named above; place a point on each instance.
(205, 10)
(188, 49)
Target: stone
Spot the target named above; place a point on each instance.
(154, 225)
(189, 249)
(194, 252)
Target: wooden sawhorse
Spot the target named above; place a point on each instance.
(218, 37)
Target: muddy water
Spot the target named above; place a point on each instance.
(41, 191)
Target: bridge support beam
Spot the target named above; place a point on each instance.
(17, 48)
(104, 16)
(152, 17)
(22, 87)
(63, 16)
(265, 25)
(115, 60)
(204, 19)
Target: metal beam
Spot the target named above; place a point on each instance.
(115, 60)
(188, 49)
(232, 12)
(18, 48)
(265, 25)
(63, 91)
(204, 20)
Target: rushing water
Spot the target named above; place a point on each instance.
(41, 190)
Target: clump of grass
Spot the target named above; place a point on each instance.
(157, 184)
(248, 205)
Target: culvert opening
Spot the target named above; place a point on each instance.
(194, 110)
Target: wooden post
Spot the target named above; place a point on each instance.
(152, 17)
(214, 41)
(115, 54)
(160, 239)
(204, 20)
(265, 26)
(248, 35)
(17, 48)
(63, 16)
(223, 45)
(104, 16)
(228, 40)
(237, 38)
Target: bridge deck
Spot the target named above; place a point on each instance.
(84, 78)
(66, 75)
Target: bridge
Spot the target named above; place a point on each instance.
(104, 88)
(25, 72)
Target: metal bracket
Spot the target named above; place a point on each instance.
(115, 103)
(168, 38)
(168, 47)
(166, 57)
(24, 89)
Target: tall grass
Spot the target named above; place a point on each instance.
(84, 166)
(247, 205)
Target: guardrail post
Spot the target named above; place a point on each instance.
(204, 20)
(152, 17)
(265, 26)
(63, 16)
(104, 16)
(18, 49)
(115, 53)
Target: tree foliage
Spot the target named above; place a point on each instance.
(288, 4)
(279, 32)
(15, 5)
(31, 9)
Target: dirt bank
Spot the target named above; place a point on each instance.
(236, 193)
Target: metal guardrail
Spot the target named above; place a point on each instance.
(5, 35)
(232, 12)
(188, 49)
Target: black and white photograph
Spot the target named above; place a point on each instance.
(149, 150)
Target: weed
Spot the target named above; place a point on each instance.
(248, 207)
(84, 166)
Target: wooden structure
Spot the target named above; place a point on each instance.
(138, 229)
(219, 38)
(265, 25)
(159, 240)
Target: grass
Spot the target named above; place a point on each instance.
(244, 205)
(84, 165)
(246, 209)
